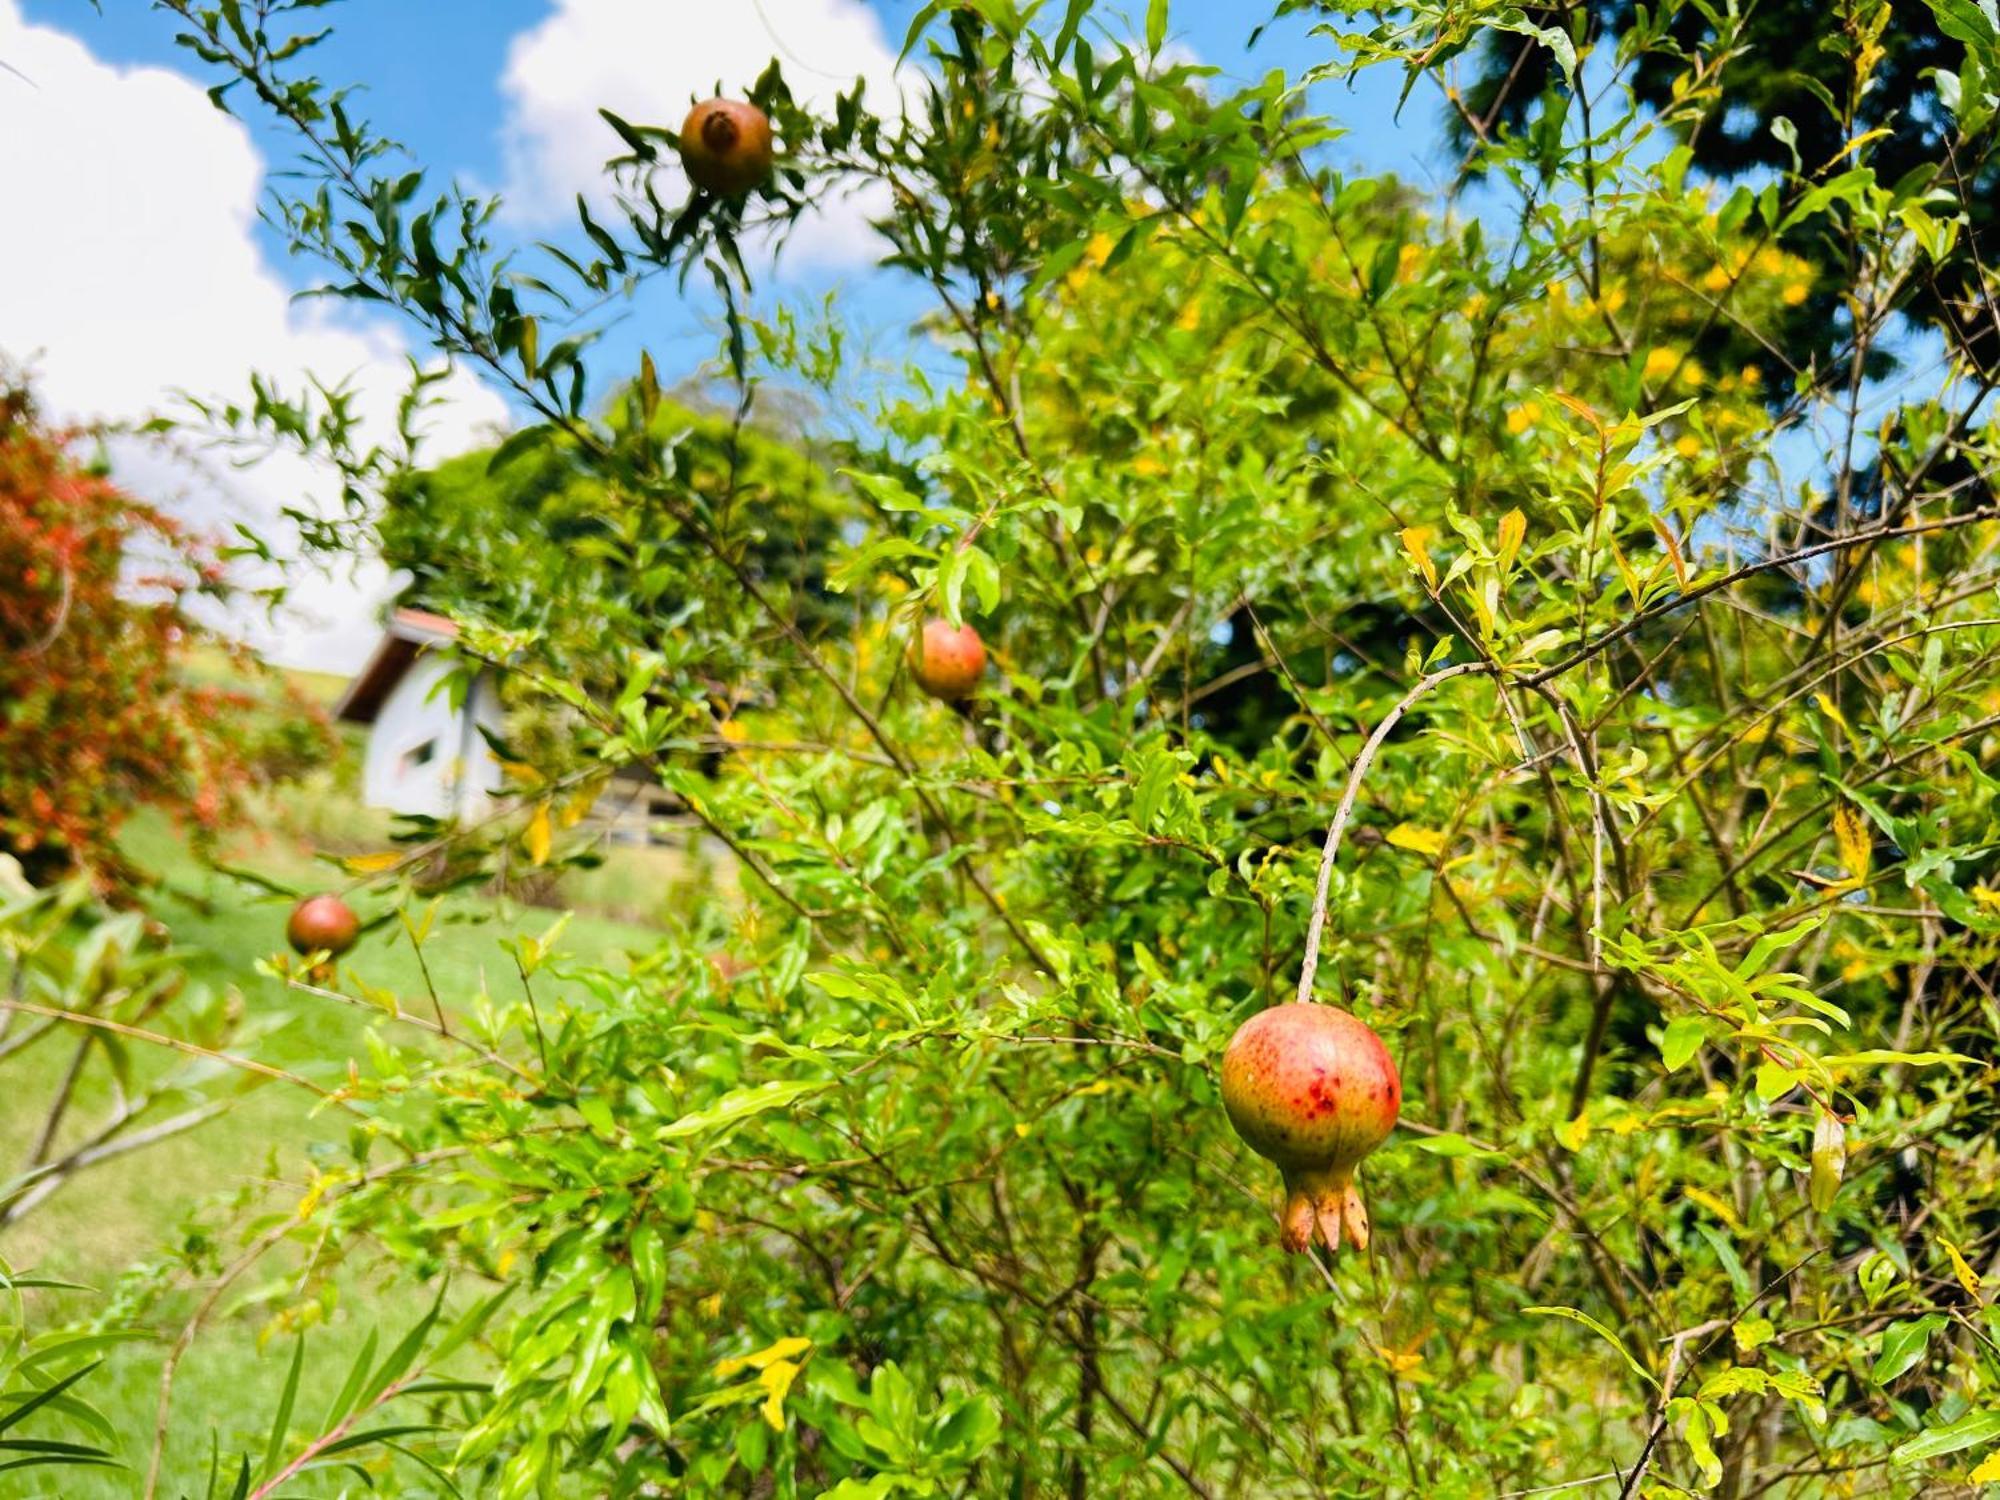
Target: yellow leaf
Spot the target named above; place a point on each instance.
(1402, 1363)
(1832, 710)
(538, 836)
(1417, 840)
(1513, 527)
(1829, 1162)
(1987, 897)
(577, 808)
(1573, 1133)
(1751, 1333)
(1988, 1471)
(1717, 1206)
(1416, 542)
(1857, 849)
(776, 1380)
(1967, 1277)
(373, 864)
(764, 1358)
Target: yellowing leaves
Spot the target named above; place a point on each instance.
(1720, 1207)
(1752, 1333)
(1573, 1133)
(777, 1378)
(1406, 1363)
(1857, 849)
(1829, 1161)
(538, 836)
(1513, 528)
(1962, 1269)
(1416, 542)
(1988, 1471)
(1417, 840)
(373, 864)
(777, 1368)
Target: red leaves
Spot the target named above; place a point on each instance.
(95, 715)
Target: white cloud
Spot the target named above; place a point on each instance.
(130, 269)
(649, 60)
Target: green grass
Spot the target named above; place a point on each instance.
(116, 1214)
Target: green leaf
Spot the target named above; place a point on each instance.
(1903, 1344)
(14, 1415)
(404, 1355)
(1601, 1331)
(281, 1423)
(740, 1105)
(350, 1390)
(1683, 1038)
(1451, 1145)
(1966, 1432)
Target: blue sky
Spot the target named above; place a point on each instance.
(431, 71)
(150, 273)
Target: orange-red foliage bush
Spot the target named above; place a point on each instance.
(97, 715)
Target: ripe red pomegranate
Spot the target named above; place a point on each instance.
(726, 146)
(1314, 1090)
(947, 661)
(322, 923)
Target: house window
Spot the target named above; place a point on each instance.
(421, 755)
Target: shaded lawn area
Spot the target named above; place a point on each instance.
(118, 1213)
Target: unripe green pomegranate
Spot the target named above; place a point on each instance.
(322, 923)
(726, 146)
(947, 660)
(1313, 1089)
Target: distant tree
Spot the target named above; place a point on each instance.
(1794, 83)
(534, 541)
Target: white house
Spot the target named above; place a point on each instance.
(425, 755)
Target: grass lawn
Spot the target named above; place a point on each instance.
(104, 1220)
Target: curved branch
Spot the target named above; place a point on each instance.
(1309, 968)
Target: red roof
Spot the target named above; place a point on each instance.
(409, 633)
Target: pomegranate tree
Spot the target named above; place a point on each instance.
(726, 146)
(947, 659)
(322, 924)
(1313, 1089)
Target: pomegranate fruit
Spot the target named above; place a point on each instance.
(1314, 1090)
(946, 660)
(726, 146)
(322, 923)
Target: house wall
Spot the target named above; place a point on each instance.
(425, 757)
